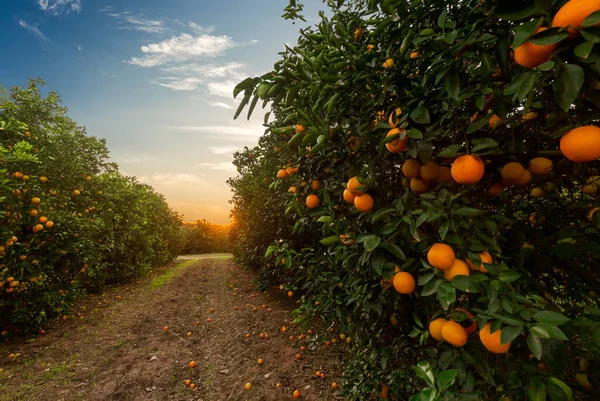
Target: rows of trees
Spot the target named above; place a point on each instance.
(205, 237)
(69, 221)
(428, 183)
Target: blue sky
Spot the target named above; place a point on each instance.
(154, 78)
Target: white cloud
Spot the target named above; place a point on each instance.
(184, 47)
(57, 7)
(221, 104)
(107, 74)
(180, 84)
(34, 29)
(223, 89)
(200, 29)
(225, 166)
(170, 178)
(223, 131)
(223, 151)
(231, 69)
(80, 48)
(191, 76)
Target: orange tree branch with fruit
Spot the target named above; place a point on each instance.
(69, 221)
(453, 229)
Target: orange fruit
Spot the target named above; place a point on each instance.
(363, 203)
(346, 239)
(282, 173)
(441, 256)
(469, 324)
(248, 386)
(299, 128)
(389, 63)
(312, 201)
(540, 166)
(525, 179)
(290, 294)
(530, 55)
(166, 328)
(495, 189)
(358, 33)
(348, 196)
(38, 227)
(35, 200)
(293, 190)
(284, 329)
(260, 361)
(414, 55)
(537, 192)
(467, 169)
(192, 364)
(353, 184)
(384, 391)
(76, 192)
(485, 258)
(334, 386)
(411, 168)
(454, 333)
(404, 283)
(429, 171)
(491, 341)
(316, 185)
(444, 174)
(188, 382)
(419, 185)
(435, 328)
(458, 268)
(398, 145)
(532, 115)
(581, 144)
(393, 119)
(573, 13)
(494, 121)
(512, 172)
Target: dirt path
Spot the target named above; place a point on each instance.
(114, 347)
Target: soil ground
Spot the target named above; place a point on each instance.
(114, 346)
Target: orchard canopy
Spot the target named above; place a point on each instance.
(428, 185)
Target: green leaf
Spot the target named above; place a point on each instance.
(584, 49)
(524, 31)
(540, 332)
(330, 240)
(371, 244)
(563, 386)
(468, 211)
(592, 19)
(477, 124)
(509, 333)
(381, 213)
(554, 332)
(243, 104)
(451, 81)
(483, 143)
(535, 345)
(247, 83)
(443, 230)
(549, 37)
(567, 85)
(425, 278)
(431, 287)
(450, 150)
(508, 276)
(446, 295)
(425, 372)
(510, 320)
(514, 10)
(551, 318)
(445, 379)
(393, 249)
(420, 115)
(414, 133)
(547, 66)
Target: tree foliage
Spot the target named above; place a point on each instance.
(444, 73)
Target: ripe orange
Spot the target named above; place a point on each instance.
(512, 172)
(293, 190)
(299, 128)
(491, 341)
(348, 196)
(419, 185)
(532, 115)
(573, 13)
(296, 393)
(334, 386)
(284, 329)
(441, 256)
(282, 173)
(414, 55)
(37, 228)
(485, 258)
(540, 166)
(435, 328)
(454, 333)
(188, 382)
(429, 171)
(248, 386)
(192, 364)
(316, 185)
(353, 184)
(524, 180)
(363, 203)
(530, 55)
(469, 324)
(49, 224)
(43, 219)
(404, 283)
(312, 201)
(444, 174)
(467, 169)
(581, 144)
(76, 192)
(398, 145)
(411, 168)
(260, 361)
(458, 268)
(494, 121)
(290, 294)
(389, 63)
(35, 200)
(166, 328)
(537, 192)
(495, 189)
(393, 119)
(346, 239)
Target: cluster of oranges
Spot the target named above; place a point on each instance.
(354, 194)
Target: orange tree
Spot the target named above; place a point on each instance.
(439, 165)
(69, 221)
